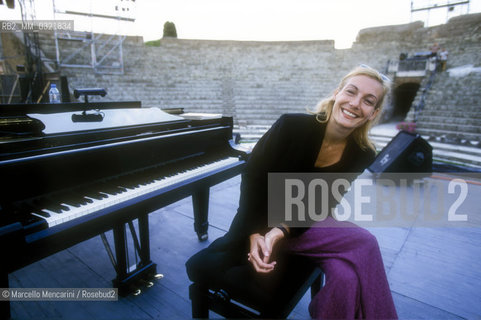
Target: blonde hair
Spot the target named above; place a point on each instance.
(323, 109)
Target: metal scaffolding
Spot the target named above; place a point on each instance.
(34, 77)
(84, 49)
(426, 6)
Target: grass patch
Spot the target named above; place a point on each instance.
(153, 43)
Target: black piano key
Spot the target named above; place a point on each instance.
(72, 202)
(120, 189)
(107, 189)
(134, 180)
(26, 208)
(47, 203)
(80, 199)
(73, 199)
(56, 208)
(63, 207)
(112, 189)
(96, 195)
(91, 193)
(42, 213)
(131, 184)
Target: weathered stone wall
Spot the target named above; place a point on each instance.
(13, 51)
(257, 81)
(254, 81)
(452, 109)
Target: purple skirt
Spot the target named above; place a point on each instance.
(356, 284)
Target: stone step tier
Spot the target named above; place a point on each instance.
(451, 112)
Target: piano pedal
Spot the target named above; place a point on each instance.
(136, 292)
(146, 283)
(158, 276)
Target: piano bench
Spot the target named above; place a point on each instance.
(243, 293)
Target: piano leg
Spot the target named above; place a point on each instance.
(200, 201)
(120, 250)
(144, 250)
(128, 281)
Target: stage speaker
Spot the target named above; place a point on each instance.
(406, 152)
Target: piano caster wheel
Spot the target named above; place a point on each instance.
(203, 237)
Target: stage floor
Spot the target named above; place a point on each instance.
(434, 273)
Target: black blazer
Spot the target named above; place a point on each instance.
(291, 145)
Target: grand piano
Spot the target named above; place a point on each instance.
(66, 179)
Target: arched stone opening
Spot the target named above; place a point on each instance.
(403, 97)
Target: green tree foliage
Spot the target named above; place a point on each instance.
(169, 30)
(153, 43)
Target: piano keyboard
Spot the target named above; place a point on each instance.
(55, 213)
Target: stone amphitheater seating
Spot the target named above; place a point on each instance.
(257, 81)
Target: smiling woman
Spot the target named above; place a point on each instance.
(331, 140)
(357, 102)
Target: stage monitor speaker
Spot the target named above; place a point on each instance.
(406, 152)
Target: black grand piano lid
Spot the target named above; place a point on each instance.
(57, 131)
(37, 124)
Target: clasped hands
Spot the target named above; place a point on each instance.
(261, 248)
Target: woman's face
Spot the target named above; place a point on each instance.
(356, 102)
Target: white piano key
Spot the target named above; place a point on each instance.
(131, 192)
